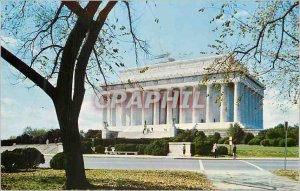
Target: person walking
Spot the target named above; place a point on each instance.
(183, 150)
(214, 150)
(234, 151)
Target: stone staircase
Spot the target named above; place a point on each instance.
(52, 148)
(139, 135)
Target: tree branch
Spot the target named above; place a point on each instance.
(28, 72)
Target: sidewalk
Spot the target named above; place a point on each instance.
(250, 180)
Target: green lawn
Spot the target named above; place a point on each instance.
(292, 174)
(48, 179)
(261, 151)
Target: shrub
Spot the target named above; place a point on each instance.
(58, 161)
(203, 147)
(222, 140)
(275, 142)
(125, 147)
(222, 150)
(157, 148)
(10, 160)
(274, 133)
(99, 149)
(216, 137)
(86, 147)
(265, 142)
(141, 148)
(8, 142)
(21, 159)
(262, 134)
(254, 141)
(290, 142)
(248, 137)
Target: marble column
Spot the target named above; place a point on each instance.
(108, 113)
(169, 106)
(128, 110)
(181, 114)
(156, 106)
(257, 110)
(132, 114)
(252, 108)
(248, 105)
(209, 104)
(237, 99)
(194, 112)
(143, 95)
(261, 112)
(224, 117)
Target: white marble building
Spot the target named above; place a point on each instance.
(224, 100)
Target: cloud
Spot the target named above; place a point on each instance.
(242, 13)
(278, 111)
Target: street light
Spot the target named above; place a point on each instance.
(285, 151)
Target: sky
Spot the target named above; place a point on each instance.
(182, 32)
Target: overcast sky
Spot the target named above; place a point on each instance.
(182, 31)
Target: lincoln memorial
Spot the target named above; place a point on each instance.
(153, 101)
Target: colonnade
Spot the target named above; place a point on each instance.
(223, 102)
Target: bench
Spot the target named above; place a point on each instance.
(114, 152)
(126, 152)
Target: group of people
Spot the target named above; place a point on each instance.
(215, 148)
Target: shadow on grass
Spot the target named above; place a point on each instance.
(136, 185)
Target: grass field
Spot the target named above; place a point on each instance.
(48, 179)
(261, 151)
(292, 174)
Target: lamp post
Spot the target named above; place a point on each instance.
(285, 151)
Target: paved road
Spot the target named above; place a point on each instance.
(225, 174)
(183, 164)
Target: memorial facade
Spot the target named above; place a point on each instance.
(155, 100)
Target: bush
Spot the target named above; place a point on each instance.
(86, 147)
(222, 140)
(21, 159)
(248, 137)
(290, 142)
(262, 134)
(203, 147)
(265, 142)
(99, 149)
(141, 148)
(58, 161)
(274, 133)
(254, 141)
(222, 150)
(157, 148)
(10, 160)
(126, 147)
(216, 137)
(275, 142)
(8, 142)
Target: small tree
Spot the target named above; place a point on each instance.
(236, 132)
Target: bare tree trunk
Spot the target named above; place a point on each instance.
(75, 172)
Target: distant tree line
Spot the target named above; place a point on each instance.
(40, 136)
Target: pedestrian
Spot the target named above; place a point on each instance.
(214, 150)
(183, 150)
(234, 151)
